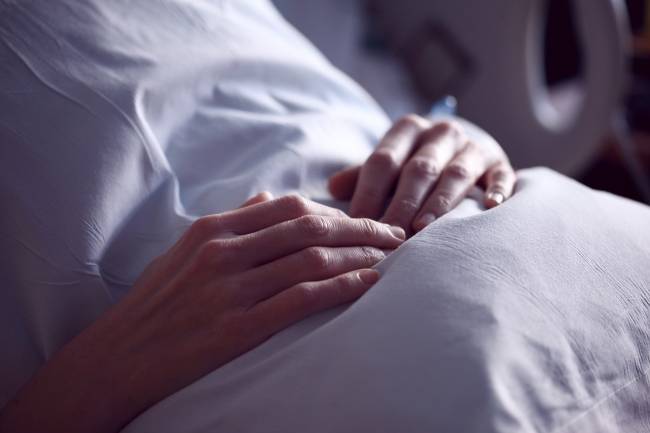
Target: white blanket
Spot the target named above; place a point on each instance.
(121, 121)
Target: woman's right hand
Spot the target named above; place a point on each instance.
(230, 282)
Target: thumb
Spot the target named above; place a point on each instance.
(342, 183)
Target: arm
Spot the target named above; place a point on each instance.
(228, 284)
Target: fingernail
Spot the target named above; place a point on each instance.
(496, 197)
(368, 276)
(425, 220)
(398, 232)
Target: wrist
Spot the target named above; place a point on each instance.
(82, 388)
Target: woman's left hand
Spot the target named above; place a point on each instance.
(430, 166)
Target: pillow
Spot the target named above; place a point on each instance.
(530, 317)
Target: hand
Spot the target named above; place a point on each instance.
(228, 284)
(431, 166)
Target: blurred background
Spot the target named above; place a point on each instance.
(560, 83)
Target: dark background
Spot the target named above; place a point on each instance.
(564, 62)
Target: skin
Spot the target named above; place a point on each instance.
(236, 278)
(227, 285)
(428, 168)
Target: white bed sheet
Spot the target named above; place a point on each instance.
(121, 121)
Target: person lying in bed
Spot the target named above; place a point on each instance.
(235, 278)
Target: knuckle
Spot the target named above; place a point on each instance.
(442, 204)
(407, 204)
(204, 226)
(422, 168)
(383, 160)
(458, 171)
(296, 205)
(410, 121)
(448, 127)
(432, 134)
(317, 257)
(473, 148)
(441, 128)
(210, 252)
(313, 225)
(369, 227)
(371, 255)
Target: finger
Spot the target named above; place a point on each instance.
(311, 231)
(262, 215)
(500, 182)
(306, 299)
(437, 148)
(310, 264)
(258, 198)
(380, 171)
(456, 180)
(250, 219)
(341, 184)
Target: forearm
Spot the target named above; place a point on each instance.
(85, 387)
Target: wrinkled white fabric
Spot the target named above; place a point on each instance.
(531, 317)
(121, 121)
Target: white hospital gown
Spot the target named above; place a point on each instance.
(122, 121)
